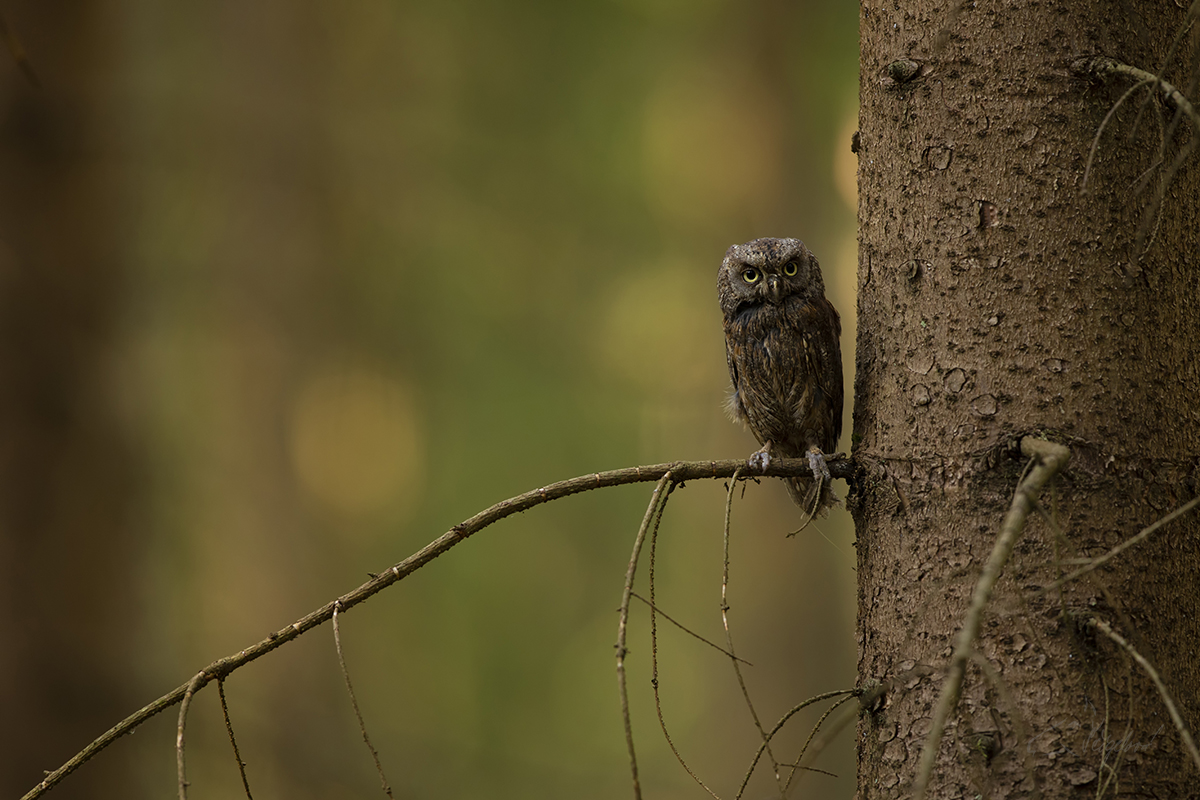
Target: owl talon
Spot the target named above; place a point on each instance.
(820, 469)
(760, 459)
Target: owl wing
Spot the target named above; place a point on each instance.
(822, 412)
(760, 386)
(734, 406)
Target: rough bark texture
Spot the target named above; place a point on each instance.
(997, 298)
(65, 555)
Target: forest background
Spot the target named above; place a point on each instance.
(292, 288)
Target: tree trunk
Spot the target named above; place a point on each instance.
(998, 298)
(66, 567)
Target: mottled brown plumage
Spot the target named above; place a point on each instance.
(781, 342)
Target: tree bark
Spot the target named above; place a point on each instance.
(998, 298)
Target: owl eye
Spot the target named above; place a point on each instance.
(789, 268)
(751, 275)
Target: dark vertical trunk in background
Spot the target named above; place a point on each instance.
(998, 298)
(65, 563)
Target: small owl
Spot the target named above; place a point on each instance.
(781, 342)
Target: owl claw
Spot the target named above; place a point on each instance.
(816, 462)
(760, 459)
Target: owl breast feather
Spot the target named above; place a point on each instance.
(779, 358)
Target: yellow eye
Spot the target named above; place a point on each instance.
(789, 268)
(751, 275)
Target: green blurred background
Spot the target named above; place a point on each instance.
(290, 288)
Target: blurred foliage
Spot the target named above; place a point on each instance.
(391, 262)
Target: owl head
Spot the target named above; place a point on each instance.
(767, 272)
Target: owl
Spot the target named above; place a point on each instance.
(781, 344)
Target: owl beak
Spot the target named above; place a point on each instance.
(773, 286)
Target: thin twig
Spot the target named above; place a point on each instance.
(729, 635)
(680, 470)
(1103, 66)
(180, 772)
(362, 726)
(686, 630)
(1051, 458)
(1114, 772)
(798, 768)
(1180, 34)
(233, 739)
(843, 693)
(830, 732)
(1184, 734)
(662, 722)
(1095, 580)
(623, 624)
(1087, 170)
(1137, 538)
(1165, 134)
(1147, 231)
(1100, 784)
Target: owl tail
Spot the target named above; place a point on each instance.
(814, 496)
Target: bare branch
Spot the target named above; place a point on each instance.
(1087, 169)
(658, 497)
(680, 471)
(1101, 785)
(362, 725)
(1102, 67)
(1184, 734)
(685, 629)
(233, 739)
(188, 693)
(729, 634)
(1138, 537)
(845, 693)
(799, 767)
(662, 722)
(1050, 458)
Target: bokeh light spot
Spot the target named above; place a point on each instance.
(356, 442)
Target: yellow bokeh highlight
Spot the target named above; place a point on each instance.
(356, 441)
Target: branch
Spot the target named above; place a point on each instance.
(657, 610)
(654, 683)
(845, 694)
(362, 724)
(680, 471)
(1140, 536)
(657, 504)
(188, 693)
(233, 740)
(729, 639)
(1051, 458)
(1188, 742)
(1102, 67)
